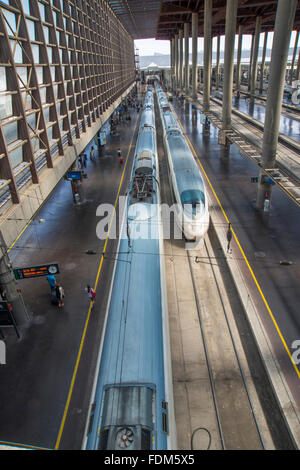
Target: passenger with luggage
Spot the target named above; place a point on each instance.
(60, 294)
(91, 294)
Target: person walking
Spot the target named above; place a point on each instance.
(91, 294)
(92, 153)
(51, 280)
(120, 155)
(59, 295)
(80, 162)
(84, 159)
(229, 237)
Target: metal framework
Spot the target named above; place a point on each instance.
(174, 14)
(62, 64)
(138, 16)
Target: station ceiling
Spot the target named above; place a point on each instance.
(161, 19)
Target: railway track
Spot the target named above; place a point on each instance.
(235, 407)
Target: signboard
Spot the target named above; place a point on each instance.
(74, 175)
(36, 271)
(266, 180)
(5, 315)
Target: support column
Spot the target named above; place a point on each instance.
(255, 55)
(262, 67)
(250, 63)
(230, 29)
(298, 68)
(218, 63)
(294, 58)
(207, 54)
(171, 62)
(281, 41)
(194, 55)
(180, 59)
(238, 65)
(176, 60)
(173, 70)
(186, 58)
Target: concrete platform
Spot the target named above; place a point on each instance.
(262, 242)
(286, 158)
(45, 385)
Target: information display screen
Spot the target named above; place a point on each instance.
(36, 271)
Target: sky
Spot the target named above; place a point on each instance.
(151, 46)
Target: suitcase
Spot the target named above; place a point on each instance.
(53, 297)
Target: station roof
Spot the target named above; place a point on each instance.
(161, 19)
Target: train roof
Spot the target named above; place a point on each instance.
(170, 121)
(186, 170)
(136, 308)
(146, 140)
(148, 117)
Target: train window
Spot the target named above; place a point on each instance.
(192, 196)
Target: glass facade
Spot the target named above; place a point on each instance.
(62, 64)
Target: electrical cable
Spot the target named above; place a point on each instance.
(193, 435)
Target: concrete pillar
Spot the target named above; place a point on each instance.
(194, 55)
(262, 67)
(218, 63)
(298, 68)
(171, 62)
(207, 53)
(255, 55)
(239, 54)
(186, 58)
(230, 29)
(294, 57)
(180, 59)
(176, 59)
(281, 42)
(250, 63)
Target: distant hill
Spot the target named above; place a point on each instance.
(163, 60)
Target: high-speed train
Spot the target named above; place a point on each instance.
(132, 399)
(192, 215)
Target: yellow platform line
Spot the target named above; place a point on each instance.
(23, 446)
(62, 425)
(243, 254)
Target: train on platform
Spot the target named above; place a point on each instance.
(192, 212)
(132, 398)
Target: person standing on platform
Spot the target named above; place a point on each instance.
(91, 294)
(51, 280)
(92, 153)
(84, 159)
(80, 161)
(59, 295)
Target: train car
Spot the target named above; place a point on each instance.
(192, 214)
(132, 399)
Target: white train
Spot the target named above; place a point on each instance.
(192, 214)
